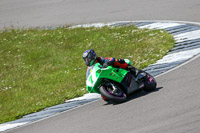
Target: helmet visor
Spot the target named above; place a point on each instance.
(87, 61)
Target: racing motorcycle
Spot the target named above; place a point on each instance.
(115, 84)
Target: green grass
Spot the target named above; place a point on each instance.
(41, 68)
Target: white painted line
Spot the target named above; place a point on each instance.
(4, 127)
(90, 25)
(188, 61)
(169, 21)
(179, 56)
(187, 36)
(159, 25)
(99, 25)
(87, 96)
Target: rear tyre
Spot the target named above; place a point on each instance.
(108, 94)
(150, 83)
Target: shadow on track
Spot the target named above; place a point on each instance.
(135, 95)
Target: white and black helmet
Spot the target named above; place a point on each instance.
(89, 56)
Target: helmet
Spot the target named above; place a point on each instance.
(89, 56)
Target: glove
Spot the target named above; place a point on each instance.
(122, 61)
(106, 64)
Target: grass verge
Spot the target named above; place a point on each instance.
(40, 68)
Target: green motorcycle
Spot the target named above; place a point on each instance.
(115, 84)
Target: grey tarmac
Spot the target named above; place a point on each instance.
(37, 13)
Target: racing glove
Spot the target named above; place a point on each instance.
(106, 64)
(122, 61)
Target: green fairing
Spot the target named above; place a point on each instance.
(97, 74)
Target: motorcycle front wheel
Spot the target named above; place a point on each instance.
(113, 94)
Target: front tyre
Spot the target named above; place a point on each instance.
(116, 96)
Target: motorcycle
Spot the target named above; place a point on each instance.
(115, 84)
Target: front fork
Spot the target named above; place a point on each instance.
(114, 88)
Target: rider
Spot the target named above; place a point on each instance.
(90, 58)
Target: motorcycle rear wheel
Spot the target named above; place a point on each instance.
(150, 83)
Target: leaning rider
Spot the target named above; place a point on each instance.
(91, 58)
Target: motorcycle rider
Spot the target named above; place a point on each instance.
(90, 58)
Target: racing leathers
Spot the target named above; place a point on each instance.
(118, 63)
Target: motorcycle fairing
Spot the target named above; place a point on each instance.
(129, 83)
(95, 75)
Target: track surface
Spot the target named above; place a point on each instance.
(33, 13)
(174, 107)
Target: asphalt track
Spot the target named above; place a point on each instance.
(174, 107)
(33, 13)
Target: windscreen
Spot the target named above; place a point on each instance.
(89, 70)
